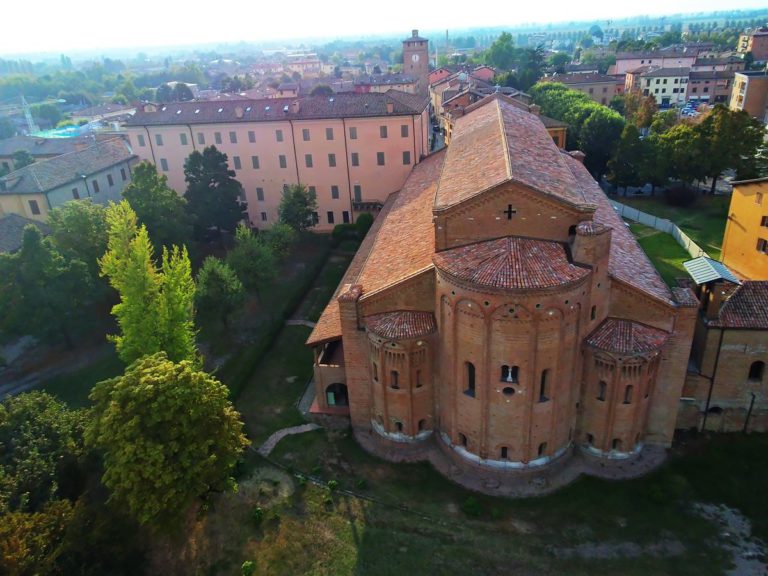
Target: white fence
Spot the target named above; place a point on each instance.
(661, 224)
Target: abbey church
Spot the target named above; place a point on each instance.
(500, 309)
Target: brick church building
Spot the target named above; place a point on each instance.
(501, 309)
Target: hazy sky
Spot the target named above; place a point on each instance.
(61, 26)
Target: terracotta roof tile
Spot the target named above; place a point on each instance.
(627, 261)
(407, 234)
(498, 143)
(747, 307)
(511, 263)
(402, 325)
(626, 337)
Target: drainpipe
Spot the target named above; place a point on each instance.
(712, 380)
(191, 137)
(295, 157)
(749, 413)
(349, 175)
(151, 146)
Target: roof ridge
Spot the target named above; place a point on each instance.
(505, 143)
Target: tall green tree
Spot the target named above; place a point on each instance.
(170, 436)
(684, 146)
(219, 290)
(297, 207)
(155, 311)
(501, 54)
(280, 237)
(598, 137)
(214, 197)
(252, 259)
(158, 207)
(79, 232)
(625, 166)
(41, 293)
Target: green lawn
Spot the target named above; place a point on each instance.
(317, 298)
(665, 253)
(704, 222)
(74, 388)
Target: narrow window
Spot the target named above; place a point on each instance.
(375, 372)
(418, 379)
(404, 130)
(110, 181)
(329, 133)
(251, 136)
(462, 440)
(140, 138)
(95, 183)
(352, 133)
(315, 218)
(330, 217)
(217, 137)
(312, 190)
(34, 207)
(593, 312)
(470, 376)
(756, 371)
(394, 379)
(422, 425)
(542, 448)
(601, 389)
(233, 137)
(628, 394)
(283, 162)
(123, 175)
(383, 131)
(358, 191)
(163, 167)
(544, 386)
(332, 160)
(380, 158)
(255, 162)
(590, 439)
(616, 444)
(279, 135)
(308, 160)
(183, 138)
(335, 192)
(201, 138)
(305, 134)
(75, 194)
(236, 162)
(355, 159)
(398, 426)
(263, 216)
(407, 158)
(504, 452)
(159, 139)
(260, 194)
(345, 217)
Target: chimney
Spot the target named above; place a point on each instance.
(150, 108)
(295, 106)
(239, 111)
(577, 155)
(534, 109)
(390, 107)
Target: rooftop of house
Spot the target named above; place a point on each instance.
(711, 75)
(746, 307)
(103, 109)
(42, 146)
(343, 105)
(383, 79)
(49, 174)
(656, 54)
(576, 68)
(655, 72)
(626, 337)
(714, 61)
(581, 78)
(12, 231)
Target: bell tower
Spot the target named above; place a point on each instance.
(416, 60)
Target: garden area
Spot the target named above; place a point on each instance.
(665, 253)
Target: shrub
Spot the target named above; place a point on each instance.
(471, 507)
(344, 232)
(361, 484)
(248, 568)
(364, 223)
(332, 485)
(257, 515)
(679, 196)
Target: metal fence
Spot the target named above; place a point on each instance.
(661, 224)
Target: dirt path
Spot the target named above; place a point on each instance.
(266, 448)
(748, 553)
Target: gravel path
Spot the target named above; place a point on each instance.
(266, 448)
(748, 553)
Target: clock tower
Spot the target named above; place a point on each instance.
(416, 60)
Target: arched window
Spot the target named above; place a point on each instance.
(504, 452)
(504, 373)
(509, 374)
(336, 395)
(394, 379)
(616, 444)
(418, 379)
(593, 313)
(462, 440)
(601, 390)
(398, 426)
(470, 370)
(572, 230)
(542, 448)
(590, 439)
(422, 425)
(375, 372)
(544, 386)
(628, 394)
(756, 371)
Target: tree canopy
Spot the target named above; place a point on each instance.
(79, 232)
(219, 291)
(252, 259)
(169, 435)
(214, 197)
(297, 207)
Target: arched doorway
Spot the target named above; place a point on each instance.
(336, 395)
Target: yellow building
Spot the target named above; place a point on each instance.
(745, 243)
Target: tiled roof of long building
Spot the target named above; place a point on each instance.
(747, 307)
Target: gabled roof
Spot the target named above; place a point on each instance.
(703, 270)
(747, 307)
(499, 142)
(581, 78)
(626, 337)
(660, 72)
(45, 175)
(12, 231)
(42, 146)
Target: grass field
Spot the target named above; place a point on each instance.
(665, 253)
(704, 222)
(74, 388)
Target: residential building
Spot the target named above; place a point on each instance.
(598, 87)
(354, 150)
(39, 148)
(500, 306)
(713, 87)
(750, 93)
(12, 231)
(99, 172)
(755, 41)
(667, 85)
(384, 82)
(745, 242)
(627, 61)
(106, 112)
(718, 64)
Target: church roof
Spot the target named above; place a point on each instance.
(626, 337)
(747, 307)
(511, 263)
(502, 143)
(402, 325)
